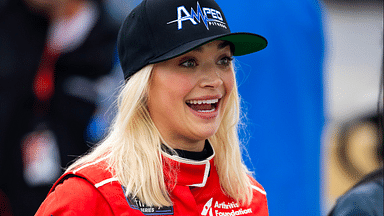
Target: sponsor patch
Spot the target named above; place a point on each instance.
(208, 16)
(217, 208)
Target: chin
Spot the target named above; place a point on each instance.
(206, 132)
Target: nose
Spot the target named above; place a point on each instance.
(211, 78)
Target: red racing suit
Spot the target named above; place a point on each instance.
(92, 190)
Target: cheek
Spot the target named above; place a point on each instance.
(229, 82)
(185, 82)
(170, 89)
(178, 85)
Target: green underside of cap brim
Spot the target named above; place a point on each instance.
(245, 43)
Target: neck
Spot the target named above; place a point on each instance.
(197, 156)
(190, 146)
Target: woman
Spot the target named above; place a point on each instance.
(173, 148)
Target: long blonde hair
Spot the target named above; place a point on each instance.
(133, 147)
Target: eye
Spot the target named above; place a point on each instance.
(189, 63)
(225, 61)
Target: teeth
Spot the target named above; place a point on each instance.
(203, 101)
(206, 110)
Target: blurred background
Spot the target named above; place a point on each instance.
(351, 145)
(311, 97)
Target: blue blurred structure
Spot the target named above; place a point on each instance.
(282, 92)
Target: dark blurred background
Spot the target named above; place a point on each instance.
(54, 54)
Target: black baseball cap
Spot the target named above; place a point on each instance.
(158, 30)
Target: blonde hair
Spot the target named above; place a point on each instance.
(133, 147)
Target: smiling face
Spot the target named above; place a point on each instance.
(188, 95)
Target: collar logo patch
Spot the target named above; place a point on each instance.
(208, 16)
(135, 203)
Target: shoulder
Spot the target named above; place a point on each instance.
(259, 200)
(366, 199)
(74, 196)
(257, 188)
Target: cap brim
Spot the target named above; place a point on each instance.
(244, 43)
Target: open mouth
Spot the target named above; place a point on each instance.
(203, 105)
